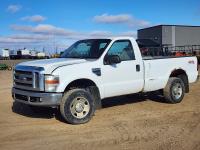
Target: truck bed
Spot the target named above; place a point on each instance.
(158, 69)
(162, 57)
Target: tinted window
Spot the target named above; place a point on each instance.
(123, 49)
(84, 49)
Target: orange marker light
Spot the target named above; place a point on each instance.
(52, 81)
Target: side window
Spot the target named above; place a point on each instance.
(102, 45)
(122, 48)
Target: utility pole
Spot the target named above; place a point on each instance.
(56, 50)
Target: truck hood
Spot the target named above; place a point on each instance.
(51, 64)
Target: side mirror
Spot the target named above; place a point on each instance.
(113, 59)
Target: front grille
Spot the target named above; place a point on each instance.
(30, 79)
(23, 72)
(23, 84)
(23, 78)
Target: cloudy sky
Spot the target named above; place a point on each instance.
(51, 24)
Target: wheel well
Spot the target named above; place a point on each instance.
(178, 72)
(90, 86)
(80, 83)
(182, 75)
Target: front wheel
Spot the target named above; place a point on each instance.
(174, 91)
(77, 106)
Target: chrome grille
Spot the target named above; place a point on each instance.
(23, 78)
(28, 78)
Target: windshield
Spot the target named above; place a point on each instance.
(86, 49)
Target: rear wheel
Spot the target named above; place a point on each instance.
(174, 91)
(77, 106)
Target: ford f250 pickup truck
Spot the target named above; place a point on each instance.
(93, 69)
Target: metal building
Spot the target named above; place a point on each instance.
(171, 35)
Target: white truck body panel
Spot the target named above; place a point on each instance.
(81, 70)
(50, 64)
(122, 78)
(157, 71)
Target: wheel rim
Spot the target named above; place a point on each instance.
(79, 107)
(177, 90)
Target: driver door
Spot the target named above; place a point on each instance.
(122, 78)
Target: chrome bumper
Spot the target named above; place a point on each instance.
(36, 98)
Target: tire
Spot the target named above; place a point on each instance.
(174, 91)
(77, 106)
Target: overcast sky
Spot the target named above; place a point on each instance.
(57, 23)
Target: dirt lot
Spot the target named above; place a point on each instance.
(13, 62)
(129, 122)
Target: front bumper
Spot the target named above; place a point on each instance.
(36, 98)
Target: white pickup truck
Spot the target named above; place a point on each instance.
(93, 69)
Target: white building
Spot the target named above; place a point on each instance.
(4, 53)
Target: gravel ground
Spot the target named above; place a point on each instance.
(128, 122)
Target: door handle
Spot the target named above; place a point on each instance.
(138, 68)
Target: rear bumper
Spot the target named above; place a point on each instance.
(36, 98)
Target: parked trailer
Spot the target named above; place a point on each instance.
(189, 50)
(14, 55)
(24, 53)
(41, 55)
(4, 53)
(33, 54)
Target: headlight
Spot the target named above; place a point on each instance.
(51, 83)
